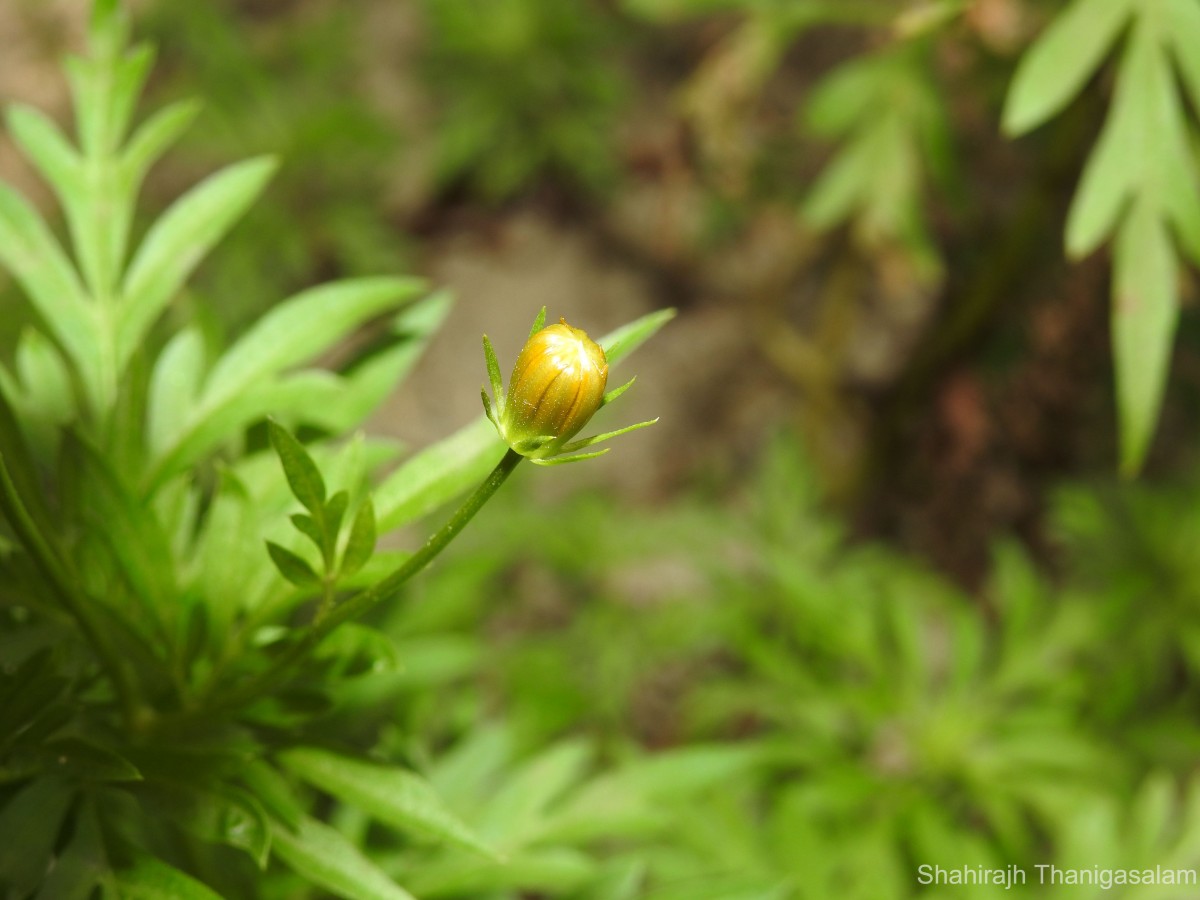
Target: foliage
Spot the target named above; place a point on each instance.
(169, 656)
(1139, 186)
(526, 89)
(888, 719)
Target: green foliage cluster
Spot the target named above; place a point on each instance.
(172, 645)
(179, 717)
(888, 719)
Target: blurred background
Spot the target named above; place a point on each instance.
(877, 532)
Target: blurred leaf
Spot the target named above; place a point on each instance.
(361, 543)
(1144, 320)
(293, 567)
(86, 760)
(174, 385)
(30, 822)
(31, 253)
(179, 240)
(1061, 61)
(80, 865)
(213, 814)
(44, 144)
(326, 858)
(302, 473)
(151, 879)
(393, 796)
(243, 384)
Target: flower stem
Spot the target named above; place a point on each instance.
(386, 589)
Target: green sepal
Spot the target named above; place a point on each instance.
(538, 323)
(563, 460)
(587, 442)
(617, 392)
(493, 367)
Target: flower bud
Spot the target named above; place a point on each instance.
(556, 387)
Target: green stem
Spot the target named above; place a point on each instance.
(52, 568)
(386, 589)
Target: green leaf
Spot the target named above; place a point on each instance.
(517, 814)
(30, 252)
(81, 864)
(151, 879)
(129, 528)
(178, 241)
(302, 473)
(292, 567)
(47, 401)
(174, 386)
(360, 650)
(301, 328)
(620, 343)
(1061, 61)
(393, 796)
(1115, 164)
(273, 791)
(308, 527)
(213, 814)
(325, 857)
(438, 473)
(1145, 315)
(30, 823)
(151, 140)
(244, 383)
(361, 543)
(87, 760)
(46, 147)
(335, 511)
(369, 381)
(1183, 35)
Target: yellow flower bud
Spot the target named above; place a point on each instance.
(556, 387)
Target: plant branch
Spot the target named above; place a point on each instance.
(365, 600)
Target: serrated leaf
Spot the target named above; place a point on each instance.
(361, 543)
(303, 476)
(1062, 60)
(150, 878)
(1145, 314)
(394, 796)
(325, 857)
(179, 240)
(292, 566)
